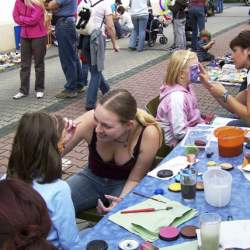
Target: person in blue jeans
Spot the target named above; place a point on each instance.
(197, 19)
(64, 20)
(139, 14)
(219, 6)
(93, 47)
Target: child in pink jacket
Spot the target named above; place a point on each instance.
(29, 14)
(178, 108)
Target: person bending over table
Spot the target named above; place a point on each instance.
(239, 104)
(122, 141)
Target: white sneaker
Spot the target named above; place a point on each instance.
(19, 95)
(39, 95)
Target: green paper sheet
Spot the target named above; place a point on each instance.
(191, 245)
(147, 225)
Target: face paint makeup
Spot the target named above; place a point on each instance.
(194, 72)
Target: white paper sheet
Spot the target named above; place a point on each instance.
(175, 164)
(221, 121)
(245, 173)
(233, 234)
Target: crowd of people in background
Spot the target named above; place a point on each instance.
(115, 21)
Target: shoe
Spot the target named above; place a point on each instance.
(131, 48)
(39, 94)
(19, 95)
(127, 35)
(81, 89)
(66, 94)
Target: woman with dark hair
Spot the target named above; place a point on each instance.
(36, 159)
(27, 224)
(123, 142)
(239, 104)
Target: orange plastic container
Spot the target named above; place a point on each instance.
(230, 140)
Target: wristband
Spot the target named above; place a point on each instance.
(225, 96)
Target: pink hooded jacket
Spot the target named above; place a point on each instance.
(177, 111)
(31, 19)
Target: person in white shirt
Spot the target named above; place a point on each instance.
(94, 49)
(125, 21)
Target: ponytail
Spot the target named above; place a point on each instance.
(144, 119)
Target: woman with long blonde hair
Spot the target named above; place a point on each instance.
(122, 141)
(29, 14)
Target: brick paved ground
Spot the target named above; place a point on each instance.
(144, 85)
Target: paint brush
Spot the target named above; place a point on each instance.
(148, 197)
(144, 210)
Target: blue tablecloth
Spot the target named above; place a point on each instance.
(239, 206)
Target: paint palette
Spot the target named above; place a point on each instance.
(195, 135)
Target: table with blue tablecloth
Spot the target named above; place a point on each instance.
(238, 208)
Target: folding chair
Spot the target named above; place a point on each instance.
(164, 150)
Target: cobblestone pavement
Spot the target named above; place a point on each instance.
(143, 80)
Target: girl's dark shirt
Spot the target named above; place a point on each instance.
(110, 169)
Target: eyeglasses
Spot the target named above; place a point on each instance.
(186, 58)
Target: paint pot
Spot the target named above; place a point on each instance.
(226, 166)
(159, 191)
(97, 245)
(175, 187)
(148, 246)
(128, 244)
(165, 173)
(169, 233)
(200, 186)
(189, 232)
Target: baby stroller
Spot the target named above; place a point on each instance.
(155, 27)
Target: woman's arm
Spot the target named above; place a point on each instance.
(36, 14)
(16, 14)
(84, 130)
(239, 105)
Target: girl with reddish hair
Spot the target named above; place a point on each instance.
(27, 224)
(36, 159)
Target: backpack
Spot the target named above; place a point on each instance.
(84, 24)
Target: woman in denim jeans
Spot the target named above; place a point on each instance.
(139, 15)
(122, 142)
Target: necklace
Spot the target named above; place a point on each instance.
(124, 142)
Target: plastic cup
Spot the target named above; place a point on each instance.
(210, 231)
(217, 187)
(230, 140)
(188, 179)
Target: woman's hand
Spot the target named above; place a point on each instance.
(101, 209)
(70, 127)
(204, 77)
